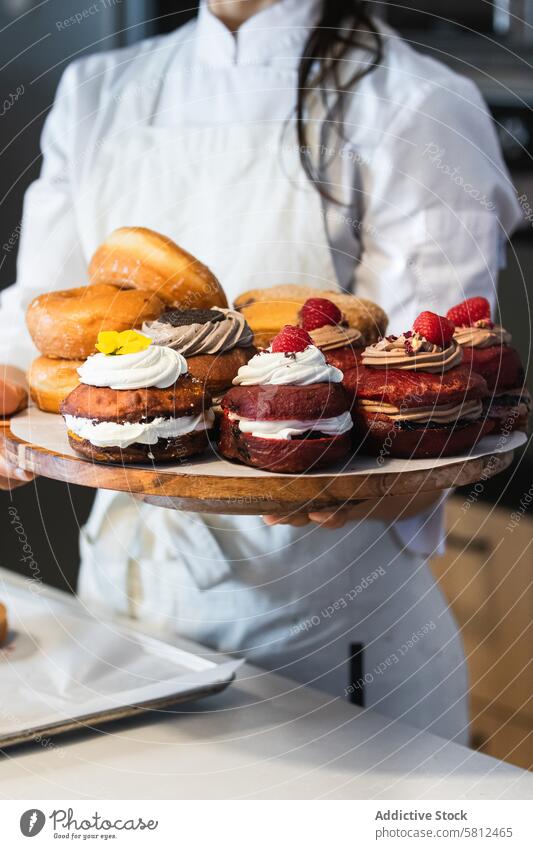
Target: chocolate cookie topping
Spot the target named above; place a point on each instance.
(183, 318)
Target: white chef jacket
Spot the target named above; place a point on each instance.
(421, 159)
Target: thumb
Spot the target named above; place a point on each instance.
(13, 397)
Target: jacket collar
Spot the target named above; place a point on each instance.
(278, 30)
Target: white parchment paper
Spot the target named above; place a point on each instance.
(48, 431)
(60, 663)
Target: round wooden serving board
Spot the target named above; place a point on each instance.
(37, 442)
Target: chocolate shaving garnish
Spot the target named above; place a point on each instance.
(391, 338)
(182, 318)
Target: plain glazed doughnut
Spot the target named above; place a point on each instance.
(144, 259)
(66, 324)
(268, 310)
(51, 380)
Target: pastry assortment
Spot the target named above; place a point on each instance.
(487, 350)
(139, 360)
(136, 402)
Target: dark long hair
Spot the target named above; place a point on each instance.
(343, 25)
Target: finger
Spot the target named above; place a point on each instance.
(9, 483)
(332, 521)
(297, 520)
(9, 471)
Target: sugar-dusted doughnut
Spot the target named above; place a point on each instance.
(66, 323)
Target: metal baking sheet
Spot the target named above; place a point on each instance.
(63, 669)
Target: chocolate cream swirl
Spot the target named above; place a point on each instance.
(482, 337)
(214, 336)
(329, 337)
(441, 414)
(412, 353)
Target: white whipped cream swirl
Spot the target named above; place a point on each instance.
(154, 367)
(278, 369)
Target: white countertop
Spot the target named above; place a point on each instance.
(263, 738)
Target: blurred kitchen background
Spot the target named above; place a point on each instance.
(487, 571)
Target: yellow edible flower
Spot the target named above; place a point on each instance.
(111, 342)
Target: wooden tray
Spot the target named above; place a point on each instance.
(37, 442)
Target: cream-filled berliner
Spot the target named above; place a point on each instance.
(216, 343)
(51, 380)
(144, 259)
(137, 402)
(66, 324)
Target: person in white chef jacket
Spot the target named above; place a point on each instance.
(401, 196)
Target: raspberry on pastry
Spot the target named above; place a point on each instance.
(290, 340)
(135, 403)
(468, 312)
(329, 331)
(435, 328)
(287, 411)
(487, 350)
(319, 312)
(413, 398)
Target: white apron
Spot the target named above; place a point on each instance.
(348, 611)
